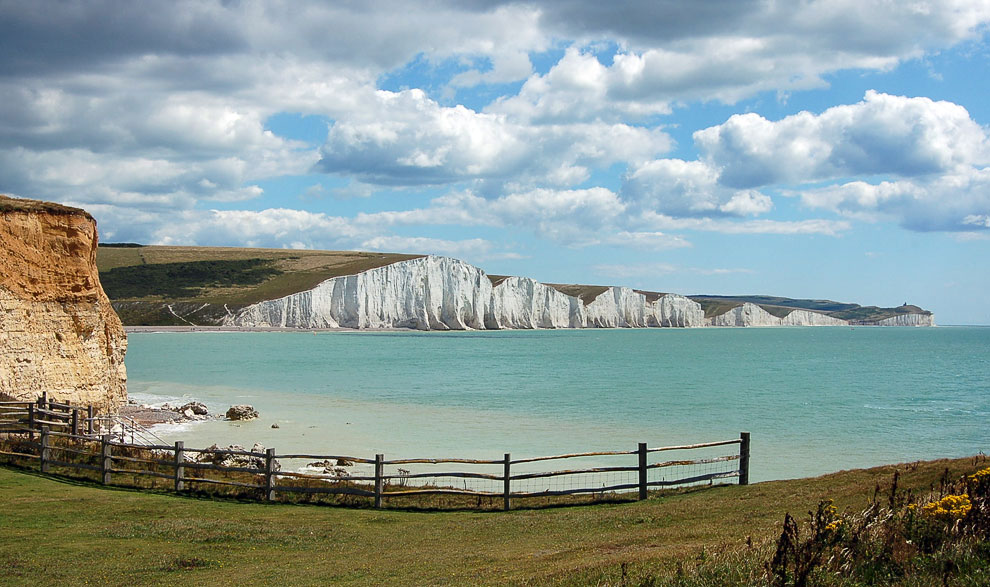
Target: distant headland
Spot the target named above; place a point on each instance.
(281, 288)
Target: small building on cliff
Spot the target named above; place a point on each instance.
(58, 332)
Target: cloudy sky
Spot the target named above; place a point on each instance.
(836, 149)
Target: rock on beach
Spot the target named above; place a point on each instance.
(242, 412)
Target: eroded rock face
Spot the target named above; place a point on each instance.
(909, 320)
(58, 332)
(438, 293)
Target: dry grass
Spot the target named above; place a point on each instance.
(8, 204)
(296, 270)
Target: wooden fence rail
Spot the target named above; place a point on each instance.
(68, 442)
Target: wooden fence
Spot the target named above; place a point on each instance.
(30, 417)
(69, 443)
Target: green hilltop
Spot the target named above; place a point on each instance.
(166, 285)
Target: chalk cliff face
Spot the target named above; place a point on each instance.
(673, 310)
(429, 293)
(750, 314)
(438, 293)
(58, 332)
(909, 320)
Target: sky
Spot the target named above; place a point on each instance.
(829, 150)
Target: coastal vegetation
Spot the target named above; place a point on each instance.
(155, 285)
(894, 525)
(164, 285)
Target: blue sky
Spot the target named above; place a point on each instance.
(834, 149)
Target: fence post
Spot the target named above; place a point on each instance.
(75, 421)
(106, 458)
(379, 467)
(744, 458)
(179, 469)
(642, 470)
(507, 483)
(45, 454)
(89, 420)
(269, 474)
(31, 421)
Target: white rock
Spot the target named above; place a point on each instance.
(909, 320)
(677, 311)
(440, 293)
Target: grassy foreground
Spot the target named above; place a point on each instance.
(60, 532)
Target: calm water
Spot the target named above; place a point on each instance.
(816, 400)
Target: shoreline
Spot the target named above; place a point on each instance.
(130, 329)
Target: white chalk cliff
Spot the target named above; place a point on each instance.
(750, 314)
(909, 320)
(440, 293)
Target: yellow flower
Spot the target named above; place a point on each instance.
(832, 527)
(950, 506)
(981, 475)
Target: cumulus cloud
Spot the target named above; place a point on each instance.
(728, 50)
(937, 152)
(150, 113)
(689, 188)
(883, 134)
(569, 217)
(952, 202)
(407, 138)
(472, 249)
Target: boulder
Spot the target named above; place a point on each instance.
(242, 412)
(196, 408)
(222, 457)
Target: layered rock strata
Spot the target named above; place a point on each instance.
(439, 293)
(58, 332)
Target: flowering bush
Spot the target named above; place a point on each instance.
(890, 539)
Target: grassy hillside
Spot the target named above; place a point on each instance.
(198, 282)
(781, 307)
(60, 532)
(158, 285)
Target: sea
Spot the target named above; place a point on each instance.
(814, 400)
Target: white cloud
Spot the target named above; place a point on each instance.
(936, 149)
(471, 249)
(883, 134)
(406, 138)
(689, 188)
(577, 88)
(149, 112)
(726, 226)
(729, 50)
(954, 202)
(653, 241)
(646, 270)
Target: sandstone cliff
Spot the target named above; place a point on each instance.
(58, 332)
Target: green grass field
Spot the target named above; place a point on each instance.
(57, 532)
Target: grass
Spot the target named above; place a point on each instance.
(8, 204)
(781, 307)
(58, 531)
(202, 283)
(199, 281)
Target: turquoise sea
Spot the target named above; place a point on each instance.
(815, 400)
